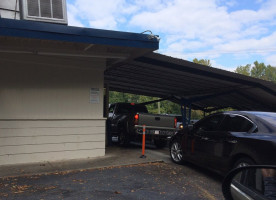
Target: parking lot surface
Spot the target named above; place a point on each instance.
(145, 180)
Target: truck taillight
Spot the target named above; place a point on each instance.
(136, 119)
(175, 122)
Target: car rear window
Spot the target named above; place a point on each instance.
(235, 123)
(128, 108)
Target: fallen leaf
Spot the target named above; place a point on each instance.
(19, 188)
(50, 188)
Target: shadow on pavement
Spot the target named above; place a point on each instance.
(138, 181)
(121, 174)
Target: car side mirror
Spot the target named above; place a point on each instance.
(256, 182)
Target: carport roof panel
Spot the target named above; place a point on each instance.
(204, 87)
(48, 31)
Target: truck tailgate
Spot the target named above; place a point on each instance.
(161, 121)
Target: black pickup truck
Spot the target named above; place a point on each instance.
(125, 123)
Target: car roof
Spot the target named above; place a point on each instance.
(246, 112)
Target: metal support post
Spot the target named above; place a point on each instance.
(190, 113)
(185, 114)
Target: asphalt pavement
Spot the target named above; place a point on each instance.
(121, 174)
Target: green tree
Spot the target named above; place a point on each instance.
(197, 114)
(245, 70)
(270, 73)
(258, 70)
(167, 107)
(203, 62)
(117, 97)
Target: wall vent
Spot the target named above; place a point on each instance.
(53, 11)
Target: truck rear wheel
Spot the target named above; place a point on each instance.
(124, 138)
(160, 143)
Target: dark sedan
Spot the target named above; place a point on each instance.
(223, 141)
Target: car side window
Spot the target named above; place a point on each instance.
(209, 124)
(236, 123)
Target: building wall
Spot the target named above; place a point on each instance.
(46, 113)
(9, 9)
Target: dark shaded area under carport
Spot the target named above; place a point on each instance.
(196, 86)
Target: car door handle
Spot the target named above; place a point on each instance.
(232, 141)
(204, 138)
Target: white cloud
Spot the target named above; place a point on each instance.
(262, 45)
(202, 20)
(188, 29)
(271, 60)
(184, 45)
(71, 14)
(104, 23)
(192, 19)
(241, 49)
(151, 5)
(231, 3)
(100, 14)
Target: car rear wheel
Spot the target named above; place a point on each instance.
(124, 137)
(176, 152)
(242, 162)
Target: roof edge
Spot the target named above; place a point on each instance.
(48, 31)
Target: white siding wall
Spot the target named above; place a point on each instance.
(46, 114)
(9, 9)
(33, 141)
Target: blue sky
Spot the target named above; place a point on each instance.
(228, 32)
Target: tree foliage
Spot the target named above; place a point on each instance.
(203, 62)
(258, 70)
(166, 107)
(245, 70)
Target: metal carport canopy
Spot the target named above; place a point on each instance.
(201, 87)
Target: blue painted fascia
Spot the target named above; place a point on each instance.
(48, 31)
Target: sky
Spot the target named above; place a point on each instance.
(230, 33)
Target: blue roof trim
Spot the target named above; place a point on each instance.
(47, 31)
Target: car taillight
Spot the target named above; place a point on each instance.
(175, 122)
(136, 119)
